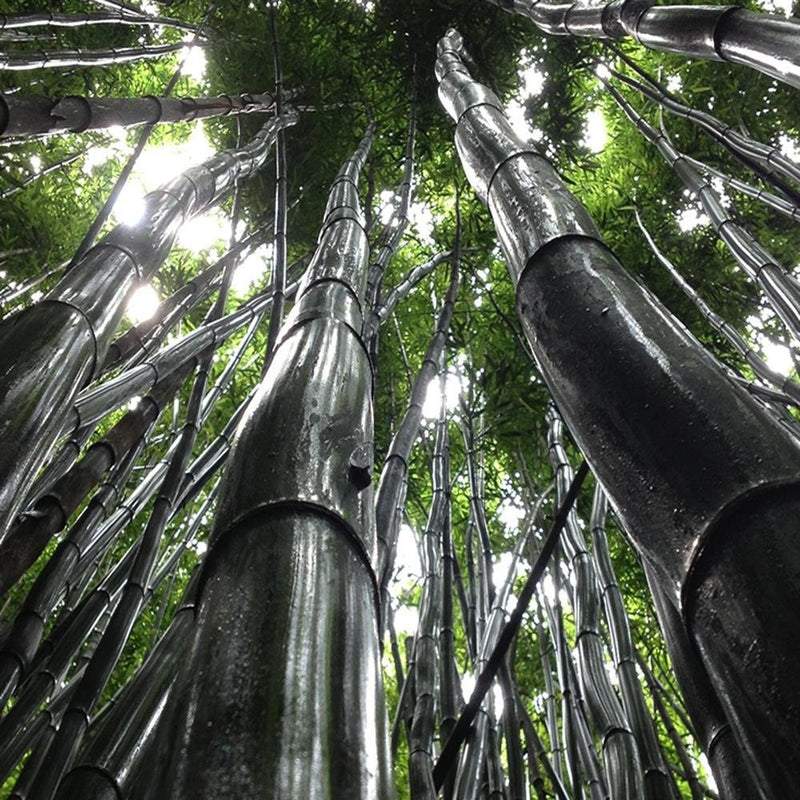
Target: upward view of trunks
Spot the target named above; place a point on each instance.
(339, 461)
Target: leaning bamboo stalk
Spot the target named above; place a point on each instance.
(758, 365)
(378, 316)
(88, 540)
(54, 348)
(84, 19)
(133, 598)
(48, 170)
(94, 403)
(28, 537)
(117, 746)
(656, 772)
(621, 754)
(781, 205)
(780, 288)
(8, 294)
(41, 728)
(281, 522)
(37, 116)
(56, 655)
(140, 338)
(26, 633)
(649, 377)
(395, 467)
(744, 147)
(764, 42)
(55, 59)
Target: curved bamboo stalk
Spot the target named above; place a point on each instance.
(764, 42)
(781, 205)
(49, 169)
(780, 288)
(82, 58)
(94, 403)
(307, 523)
(378, 316)
(36, 116)
(630, 414)
(395, 467)
(28, 537)
(54, 348)
(764, 159)
(118, 740)
(74, 723)
(82, 19)
(759, 366)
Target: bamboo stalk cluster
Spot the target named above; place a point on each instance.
(266, 680)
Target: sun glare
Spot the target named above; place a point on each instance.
(594, 131)
(204, 231)
(452, 390)
(690, 218)
(252, 268)
(194, 63)
(142, 304)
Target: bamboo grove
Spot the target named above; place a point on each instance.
(453, 455)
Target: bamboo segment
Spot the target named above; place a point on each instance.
(651, 410)
(48, 352)
(426, 657)
(766, 42)
(16, 61)
(32, 115)
(291, 662)
(117, 749)
(48, 19)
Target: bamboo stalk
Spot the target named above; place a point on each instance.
(395, 466)
(257, 532)
(73, 326)
(764, 42)
(648, 380)
(17, 61)
(82, 19)
(37, 116)
(780, 288)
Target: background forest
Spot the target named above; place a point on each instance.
(489, 441)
